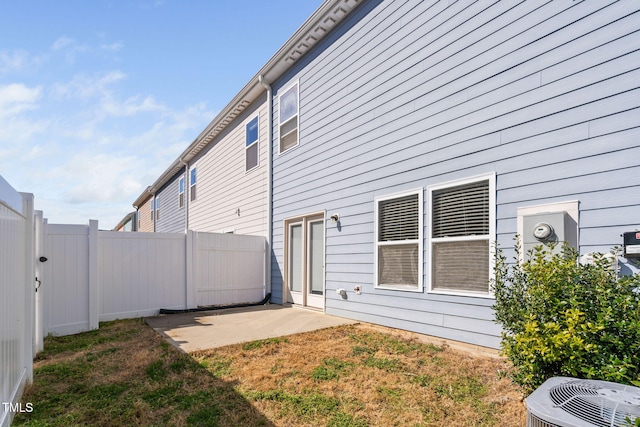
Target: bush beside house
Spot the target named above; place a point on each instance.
(564, 318)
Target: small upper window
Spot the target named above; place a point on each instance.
(192, 184)
(251, 144)
(288, 104)
(181, 192)
(157, 208)
(151, 205)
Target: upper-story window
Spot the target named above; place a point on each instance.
(251, 144)
(289, 112)
(181, 192)
(151, 205)
(157, 208)
(192, 183)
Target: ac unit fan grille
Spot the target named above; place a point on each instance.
(601, 406)
(533, 421)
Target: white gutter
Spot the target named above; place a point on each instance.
(267, 87)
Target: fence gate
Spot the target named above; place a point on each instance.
(65, 279)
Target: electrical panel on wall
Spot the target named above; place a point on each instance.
(549, 229)
(631, 242)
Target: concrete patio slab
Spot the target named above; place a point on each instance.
(209, 329)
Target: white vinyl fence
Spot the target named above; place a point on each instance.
(65, 279)
(17, 296)
(92, 276)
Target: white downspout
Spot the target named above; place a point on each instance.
(267, 86)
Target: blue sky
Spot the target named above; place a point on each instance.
(98, 97)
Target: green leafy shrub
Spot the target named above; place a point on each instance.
(562, 318)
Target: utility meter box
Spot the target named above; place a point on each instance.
(631, 244)
(549, 228)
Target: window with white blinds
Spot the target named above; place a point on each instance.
(461, 211)
(399, 242)
(462, 217)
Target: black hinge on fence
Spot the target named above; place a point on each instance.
(38, 283)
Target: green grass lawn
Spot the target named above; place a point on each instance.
(125, 374)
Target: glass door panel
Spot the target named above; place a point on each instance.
(296, 258)
(316, 257)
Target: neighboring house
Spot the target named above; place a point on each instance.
(230, 191)
(417, 134)
(221, 182)
(170, 205)
(128, 223)
(145, 211)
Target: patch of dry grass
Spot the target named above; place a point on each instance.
(359, 375)
(125, 374)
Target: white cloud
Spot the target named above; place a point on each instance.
(12, 61)
(16, 98)
(131, 106)
(100, 177)
(62, 42)
(83, 86)
(112, 47)
(69, 48)
(16, 128)
(89, 144)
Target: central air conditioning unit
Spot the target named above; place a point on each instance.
(572, 402)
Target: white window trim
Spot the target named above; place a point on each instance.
(191, 184)
(181, 193)
(420, 287)
(256, 142)
(491, 236)
(280, 123)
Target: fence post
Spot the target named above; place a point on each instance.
(38, 339)
(190, 294)
(29, 286)
(94, 314)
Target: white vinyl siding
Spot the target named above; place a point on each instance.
(229, 197)
(399, 242)
(288, 118)
(461, 235)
